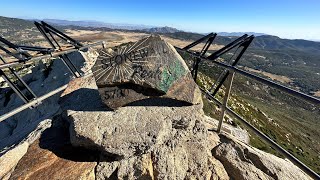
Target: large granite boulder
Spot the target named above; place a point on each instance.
(129, 131)
(185, 154)
(146, 142)
(244, 162)
(150, 67)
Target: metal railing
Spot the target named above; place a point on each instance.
(51, 55)
(232, 71)
(23, 58)
(37, 100)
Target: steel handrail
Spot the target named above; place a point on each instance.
(280, 87)
(53, 54)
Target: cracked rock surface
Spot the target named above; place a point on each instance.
(129, 131)
(244, 162)
(185, 153)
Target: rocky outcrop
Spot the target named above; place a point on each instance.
(108, 131)
(130, 130)
(244, 162)
(185, 153)
(150, 67)
(53, 157)
(10, 156)
(167, 141)
(9, 160)
(154, 137)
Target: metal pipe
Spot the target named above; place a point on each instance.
(202, 53)
(14, 87)
(245, 45)
(68, 66)
(75, 69)
(277, 147)
(280, 87)
(200, 40)
(24, 84)
(54, 54)
(229, 46)
(43, 32)
(50, 34)
(19, 79)
(61, 34)
(32, 103)
(225, 100)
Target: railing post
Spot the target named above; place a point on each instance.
(195, 68)
(225, 99)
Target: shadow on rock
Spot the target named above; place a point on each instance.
(57, 140)
(83, 99)
(164, 102)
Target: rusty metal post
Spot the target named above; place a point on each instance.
(225, 99)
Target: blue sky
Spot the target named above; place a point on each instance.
(284, 18)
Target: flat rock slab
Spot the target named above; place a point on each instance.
(53, 157)
(129, 131)
(147, 68)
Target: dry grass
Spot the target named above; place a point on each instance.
(114, 38)
(80, 32)
(279, 78)
(182, 43)
(258, 56)
(317, 93)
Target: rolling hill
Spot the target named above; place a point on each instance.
(297, 59)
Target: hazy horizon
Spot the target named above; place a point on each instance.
(287, 19)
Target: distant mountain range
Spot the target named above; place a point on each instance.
(239, 33)
(264, 41)
(146, 28)
(165, 29)
(95, 24)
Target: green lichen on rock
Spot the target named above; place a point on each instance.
(170, 75)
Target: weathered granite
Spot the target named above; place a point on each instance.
(53, 157)
(137, 167)
(150, 67)
(10, 156)
(244, 162)
(184, 155)
(9, 160)
(128, 131)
